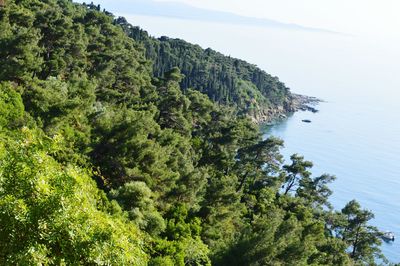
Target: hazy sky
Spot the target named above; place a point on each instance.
(352, 16)
(378, 18)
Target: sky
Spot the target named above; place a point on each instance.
(189, 12)
(353, 16)
(374, 18)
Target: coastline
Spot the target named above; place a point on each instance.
(296, 102)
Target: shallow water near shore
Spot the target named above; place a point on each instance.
(360, 145)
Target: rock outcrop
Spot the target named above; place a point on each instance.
(295, 103)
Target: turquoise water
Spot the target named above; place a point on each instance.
(359, 143)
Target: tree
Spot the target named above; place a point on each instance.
(363, 239)
(183, 175)
(315, 190)
(221, 213)
(183, 245)
(173, 105)
(228, 81)
(51, 214)
(19, 42)
(259, 161)
(137, 199)
(295, 172)
(11, 106)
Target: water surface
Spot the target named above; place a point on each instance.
(360, 145)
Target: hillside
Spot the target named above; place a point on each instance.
(104, 163)
(226, 80)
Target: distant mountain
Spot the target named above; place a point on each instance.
(184, 11)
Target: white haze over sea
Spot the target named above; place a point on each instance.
(356, 134)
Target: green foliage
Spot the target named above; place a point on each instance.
(173, 105)
(136, 198)
(186, 251)
(19, 42)
(108, 158)
(50, 215)
(11, 106)
(296, 172)
(316, 190)
(226, 80)
(362, 238)
(257, 162)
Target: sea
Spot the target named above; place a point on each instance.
(353, 142)
(356, 133)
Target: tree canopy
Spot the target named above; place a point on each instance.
(120, 149)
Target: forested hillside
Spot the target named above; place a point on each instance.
(104, 163)
(225, 80)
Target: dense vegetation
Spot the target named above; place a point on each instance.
(101, 162)
(225, 80)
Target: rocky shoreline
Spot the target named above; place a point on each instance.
(295, 103)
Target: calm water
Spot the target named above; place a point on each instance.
(359, 143)
(356, 134)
